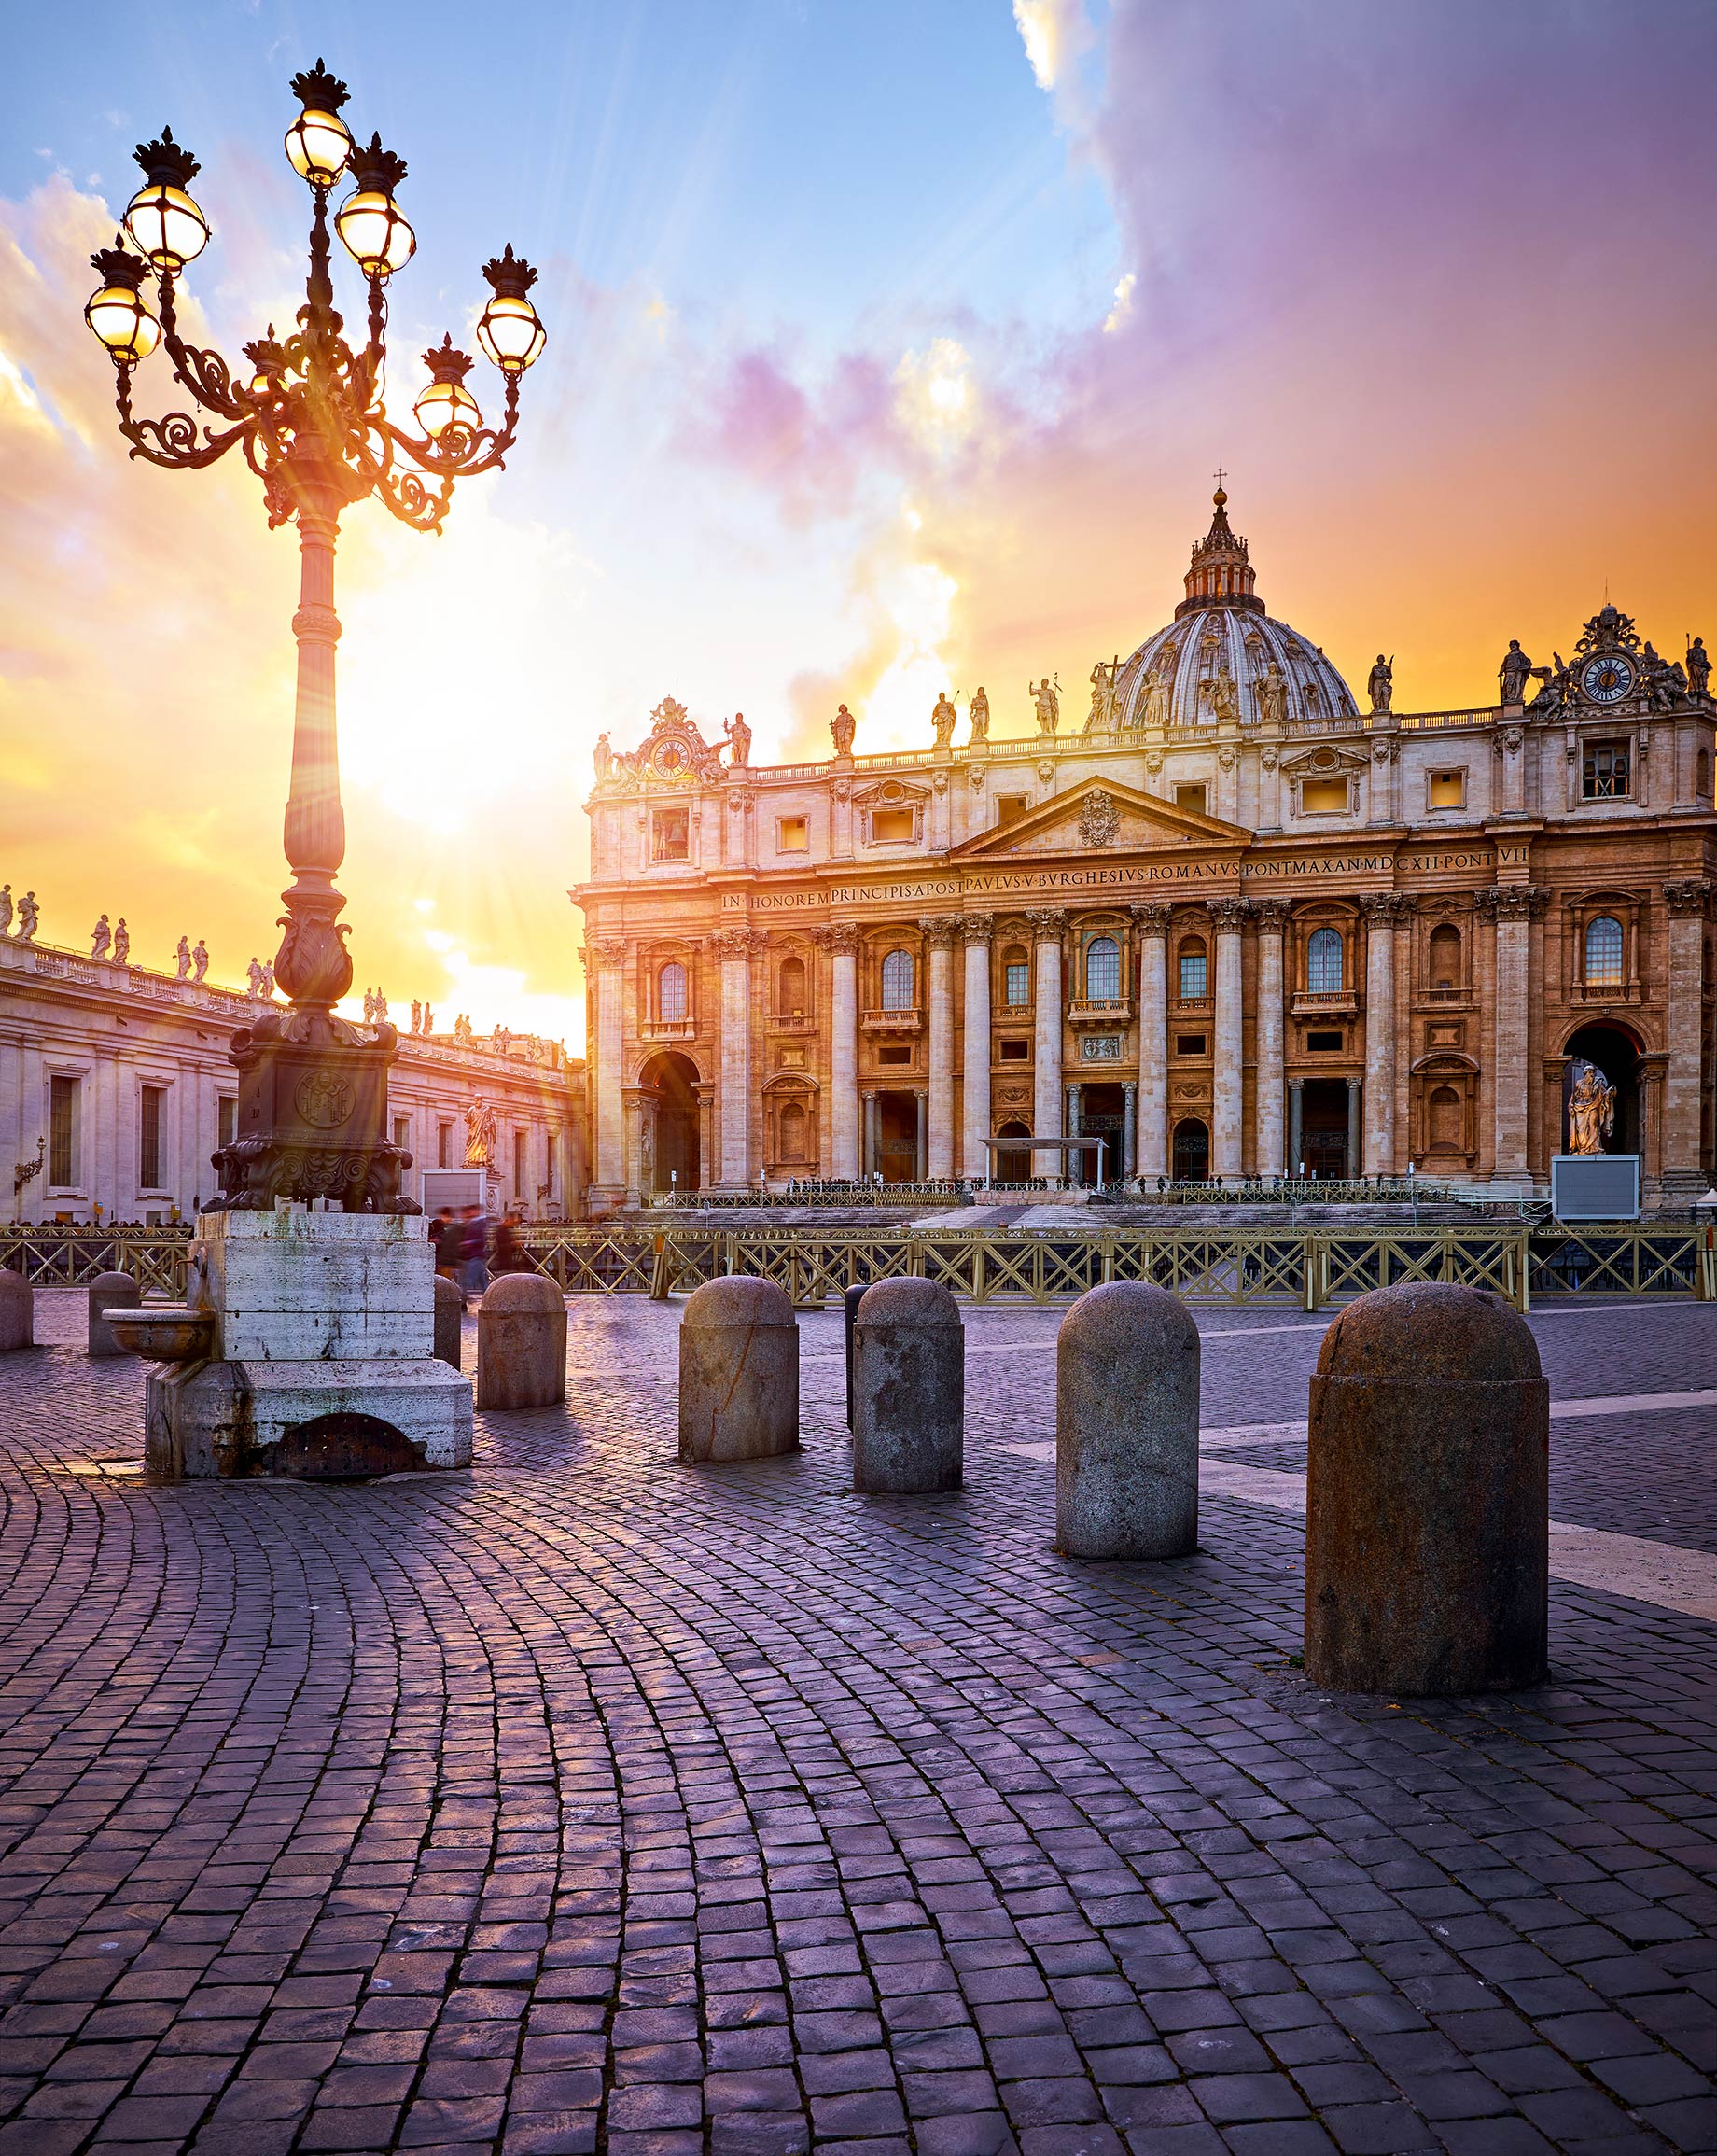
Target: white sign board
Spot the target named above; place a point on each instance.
(1595, 1186)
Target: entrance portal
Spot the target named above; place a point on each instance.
(1617, 1055)
(1323, 1128)
(673, 1078)
(1012, 1167)
(1101, 1115)
(897, 1136)
(1192, 1150)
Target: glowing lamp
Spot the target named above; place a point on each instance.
(447, 405)
(162, 218)
(117, 312)
(509, 331)
(319, 142)
(372, 227)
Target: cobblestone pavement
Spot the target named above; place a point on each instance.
(586, 1803)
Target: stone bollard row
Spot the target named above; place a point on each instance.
(908, 1389)
(1428, 1497)
(739, 1373)
(17, 1312)
(449, 1322)
(1126, 1424)
(109, 1291)
(522, 1343)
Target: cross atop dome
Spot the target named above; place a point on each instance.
(1221, 574)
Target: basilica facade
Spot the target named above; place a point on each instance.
(1224, 920)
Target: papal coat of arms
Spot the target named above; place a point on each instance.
(323, 1099)
(1099, 818)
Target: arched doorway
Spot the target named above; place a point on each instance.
(1192, 1150)
(1010, 1166)
(1323, 1130)
(1616, 1054)
(673, 1080)
(1101, 1115)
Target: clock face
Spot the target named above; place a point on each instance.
(1608, 677)
(670, 756)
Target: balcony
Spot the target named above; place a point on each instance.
(668, 1029)
(1611, 994)
(796, 1024)
(889, 1023)
(1325, 1004)
(1189, 1006)
(1100, 1010)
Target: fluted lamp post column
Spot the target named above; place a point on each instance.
(310, 419)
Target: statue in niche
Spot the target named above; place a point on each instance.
(121, 944)
(1224, 698)
(1380, 683)
(1514, 673)
(843, 726)
(1698, 668)
(100, 939)
(979, 711)
(1591, 1109)
(183, 955)
(1156, 696)
(1048, 707)
(1272, 691)
(200, 965)
(942, 719)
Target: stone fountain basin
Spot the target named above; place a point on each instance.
(165, 1333)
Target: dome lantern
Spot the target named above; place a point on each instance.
(1221, 574)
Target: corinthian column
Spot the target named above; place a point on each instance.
(1271, 916)
(1512, 906)
(841, 939)
(939, 931)
(1689, 902)
(604, 955)
(733, 1100)
(1380, 910)
(975, 1045)
(1046, 1078)
(1227, 1137)
(1153, 919)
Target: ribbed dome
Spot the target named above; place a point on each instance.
(1213, 661)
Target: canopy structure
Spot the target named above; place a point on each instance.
(1062, 1145)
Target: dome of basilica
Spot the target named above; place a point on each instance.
(1222, 658)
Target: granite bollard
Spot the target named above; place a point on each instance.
(738, 1372)
(1127, 1425)
(448, 1316)
(110, 1292)
(909, 1389)
(1427, 1525)
(850, 1301)
(17, 1311)
(522, 1343)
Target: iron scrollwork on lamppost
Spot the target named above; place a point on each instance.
(312, 423)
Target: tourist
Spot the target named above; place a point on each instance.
(474, 1250)
(508, 1257)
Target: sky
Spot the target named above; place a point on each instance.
(892, 346)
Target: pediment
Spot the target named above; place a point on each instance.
(890, 794)
(1098, 815)
(1328, 760)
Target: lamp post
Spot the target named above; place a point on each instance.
(312, 423)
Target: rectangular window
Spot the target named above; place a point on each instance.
(1194, 976)
(793, 836)
(893, 1056)
(1189, 1043)
(1324, 1043)
(521, 1158)
(149, 1138)
(1323, 797)
(1193, 797)
(443, 1145)
(891, 826)
(402, 1131)
(1016, 1051)
(670, 832)
(1019, 986)
(1448, 789)
(1010, 808)
(226, 1119)
(1604, 773)
(62, 1132)
(553, 1145)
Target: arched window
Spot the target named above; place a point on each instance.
(1016, 976)
(1195, 969)
(792, 994)
(1323, 963)
(898, 981)
(1603, 952)
(671, 993)
(1444, 957)
(793, 1133)
(1102, 969)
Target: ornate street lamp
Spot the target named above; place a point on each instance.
(309, 418)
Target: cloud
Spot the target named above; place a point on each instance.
(1055, 33)
(1123, 305)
